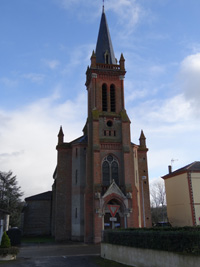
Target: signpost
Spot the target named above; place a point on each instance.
(113, 219)
(113, 210)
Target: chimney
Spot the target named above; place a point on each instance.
(170, 168)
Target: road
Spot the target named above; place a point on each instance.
(56, 255)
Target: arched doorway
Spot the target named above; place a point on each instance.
(116, 221)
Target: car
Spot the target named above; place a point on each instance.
(162, 224)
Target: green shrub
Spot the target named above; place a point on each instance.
(171, 239)
(5, 241)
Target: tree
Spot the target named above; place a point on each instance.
(10, 197)
(158, 201)
(158, 195)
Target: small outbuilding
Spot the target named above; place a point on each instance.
(36, 216)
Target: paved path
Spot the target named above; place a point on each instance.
(58, 250)
(73, 255)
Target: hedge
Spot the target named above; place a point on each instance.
(171, 239)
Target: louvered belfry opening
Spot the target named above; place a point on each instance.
(104, 97)
(112, 98)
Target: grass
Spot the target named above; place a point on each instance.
(107, 263)
(38, 239)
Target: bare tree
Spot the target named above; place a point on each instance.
(157, 193)
(158, 201)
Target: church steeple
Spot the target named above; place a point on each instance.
(104, 49)
(142, 140)
(60, 136)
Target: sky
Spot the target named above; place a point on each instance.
(45, 48)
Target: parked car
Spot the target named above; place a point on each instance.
(162, 224)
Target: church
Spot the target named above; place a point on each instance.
(101, 178)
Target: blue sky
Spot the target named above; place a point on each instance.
(45, 48)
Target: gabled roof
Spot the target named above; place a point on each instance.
(114, 189)
(104, 42)
(80, 140)
(43, 196)
(193, 167)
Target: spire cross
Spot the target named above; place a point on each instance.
(103, 5)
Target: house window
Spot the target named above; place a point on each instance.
(112, 98)
(110, 170)
(104, 97)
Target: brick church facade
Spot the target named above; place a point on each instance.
(102, 169)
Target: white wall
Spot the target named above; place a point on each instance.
(147, 257)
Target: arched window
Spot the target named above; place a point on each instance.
(112, 98)
(110, 170)
(104, 97)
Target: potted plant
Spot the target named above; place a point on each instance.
(6, 251)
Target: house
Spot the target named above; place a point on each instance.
(183, 195)
(101, 178)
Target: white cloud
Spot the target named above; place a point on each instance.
(129, 12)
(171, 125)
(190, 75)
(157, 69)
(82, 6)
(78, 56)
(34, 77)
(52, 64)
(29, 137)
(189, 80)
(135, 95)
(8, 82)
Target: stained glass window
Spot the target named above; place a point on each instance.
(110, 170)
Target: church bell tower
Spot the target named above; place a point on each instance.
(110, 155)
(101, 178)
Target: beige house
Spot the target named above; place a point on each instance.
(183, 195)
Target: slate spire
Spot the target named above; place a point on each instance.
(104, 49)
